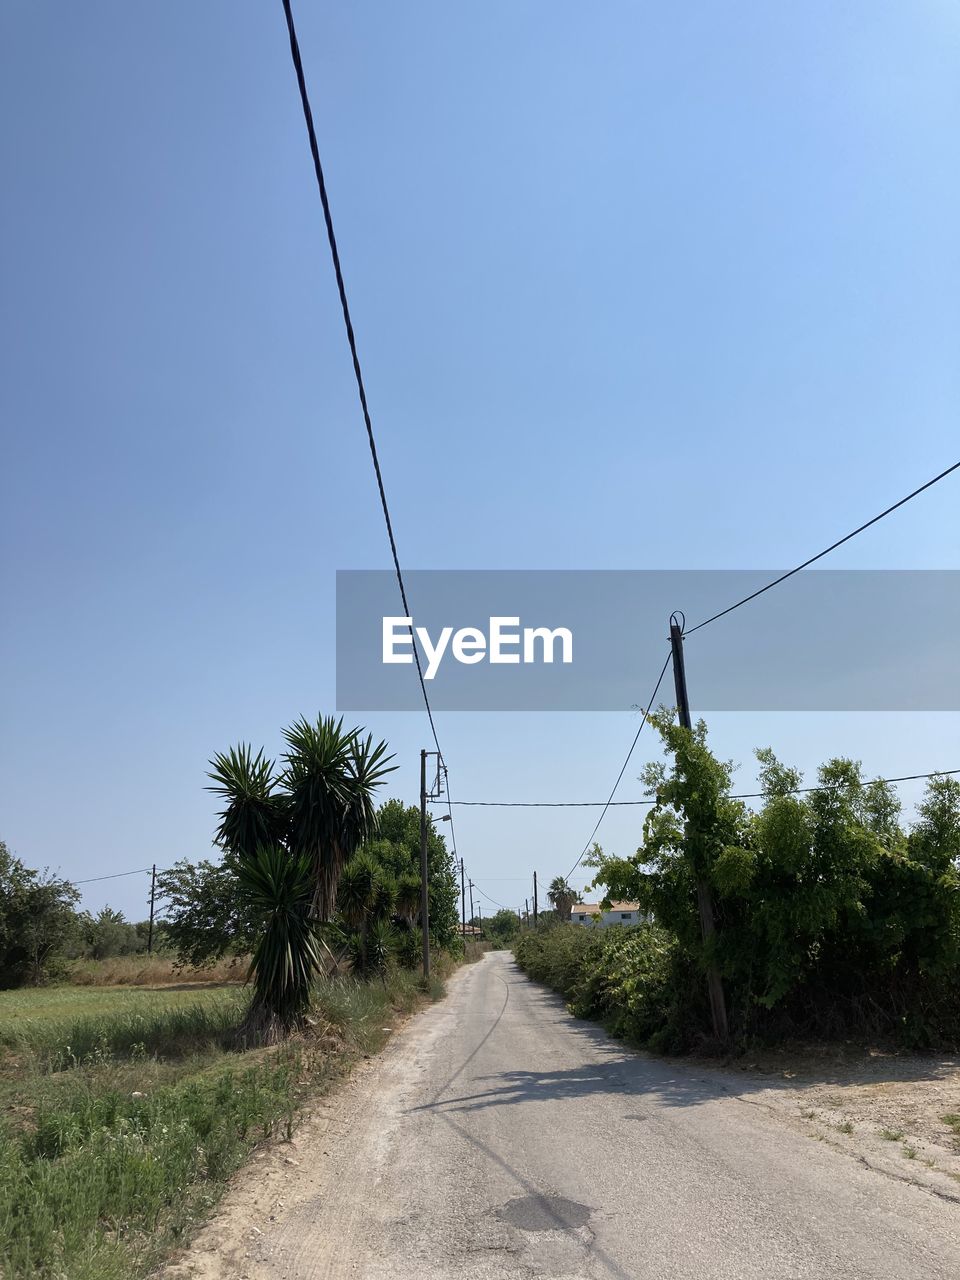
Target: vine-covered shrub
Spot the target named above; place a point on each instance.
(831, 919)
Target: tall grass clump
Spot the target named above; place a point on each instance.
(168, 1032)
(105, 1181)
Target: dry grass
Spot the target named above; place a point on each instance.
(152, 971)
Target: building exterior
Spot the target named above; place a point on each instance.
(590, 913)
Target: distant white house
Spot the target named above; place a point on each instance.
(590, 913)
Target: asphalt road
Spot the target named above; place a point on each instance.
(499, 1137)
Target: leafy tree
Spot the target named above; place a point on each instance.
(207, 914)
(562, 896)
(397, 849)
(502, 928)
(829, 916)
(37, 920)
(108, 933)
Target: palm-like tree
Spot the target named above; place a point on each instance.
(562, 896)
(287, 955)
(331, 776)
(288, 836)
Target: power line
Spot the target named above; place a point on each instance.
(116, 876)
(351, 339)
(489, 899)
(745, 795)
(820, 554)
(656, 690)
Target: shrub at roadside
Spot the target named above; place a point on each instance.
(832, 920)
(627, 977)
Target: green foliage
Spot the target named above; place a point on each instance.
(37, 920)
(561, 896)
(206, 913)
(831, 919)
(501, 929)
(280, 886)
(366, 897)
(626, 977)
(397, 851)
(286, 837)
(107, 934)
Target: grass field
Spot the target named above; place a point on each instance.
(125, 1110)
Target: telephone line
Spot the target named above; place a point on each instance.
(623, 769)
(351, 339)
(744, 795)
(820, 554)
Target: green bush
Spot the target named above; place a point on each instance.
(628, 977)
(831, 920)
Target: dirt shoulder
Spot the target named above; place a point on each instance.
(883, 1109)
(284, 1173)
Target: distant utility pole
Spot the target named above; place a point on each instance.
(480, 919)
(424, 893)
(153, 900)
(472, 916)
(708, 928)
(535, 914)
(526, 910)
(463, 905)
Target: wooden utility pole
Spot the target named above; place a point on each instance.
(480, 920)
(472, 916)
(708, 928)
(526, 911)
(463, 905)
(153, 900)
(535, 913)
(424, 892)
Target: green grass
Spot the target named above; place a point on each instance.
(67, 1027)
(124, 1112)
(952, 1121)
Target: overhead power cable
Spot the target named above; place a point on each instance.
(623, 769)
(117, 875)
(488, 898)
(622, 804)
(351, 339)
(820, 554)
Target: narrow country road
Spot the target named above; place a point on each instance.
(499, 1137)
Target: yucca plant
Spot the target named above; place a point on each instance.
(287, 836)
(331, 776)
(287, 956)
(408, 898)
(366, 897)
(256, 811)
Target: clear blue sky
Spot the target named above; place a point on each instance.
(635, 285)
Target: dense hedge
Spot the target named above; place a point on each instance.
(631, 978)
(832, 920)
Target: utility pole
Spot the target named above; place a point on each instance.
(535, 914)
(424, 894)
(526, 911)
(480, 920)
(153, 899)
(472, 916)
(463, 905)
(708, 928)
